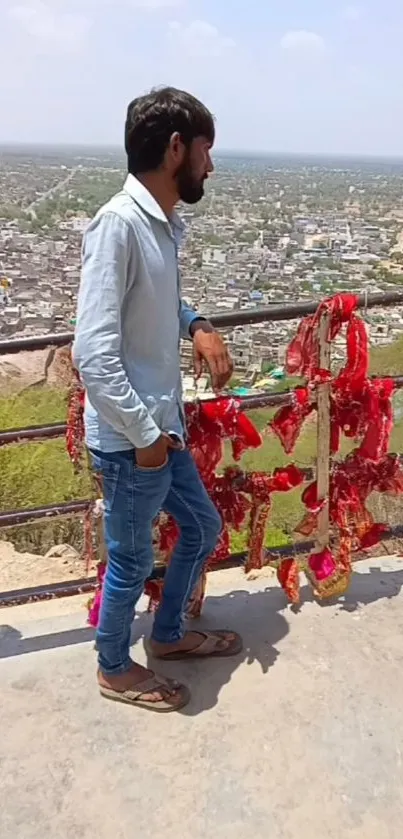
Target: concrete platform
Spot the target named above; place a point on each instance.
(301, 737)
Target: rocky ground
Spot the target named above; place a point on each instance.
(26, 369)
(22, 570)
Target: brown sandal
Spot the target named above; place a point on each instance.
(208, 647)
(133, 696)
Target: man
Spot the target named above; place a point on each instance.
(129, 324)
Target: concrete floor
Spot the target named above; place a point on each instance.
(301, 737)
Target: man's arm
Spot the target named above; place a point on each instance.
(108, 249)
(208, 347)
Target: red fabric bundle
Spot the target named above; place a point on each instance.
(75, 421)
(288, 577)
(289, 420)
(260, 487)
(228, 495)
(303, 352)
(373, 536)
(168, 535)
(94, 606)
(210, 423)
(378, 419)
(153, 590)
(323, 564)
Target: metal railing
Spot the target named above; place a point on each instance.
(11, 518)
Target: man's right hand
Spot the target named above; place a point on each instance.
(152, 457)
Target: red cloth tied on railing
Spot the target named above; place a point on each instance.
(288, 421)
(228, 495)
(94, 605)
(288, 575)
(323, 564)
(360, 408)
(303, 352)
(352, 482)
(260, 486)
(210, 423)
(75, 420)
(168, 533)
(378, 422)
(236, 494)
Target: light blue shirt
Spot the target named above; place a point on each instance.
(130, 319)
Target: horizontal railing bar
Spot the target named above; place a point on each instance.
(53, 431)
(87, 584)
(14, 518)
(49, 432)
(36, 342)
(19, 597)
(287, 311)
(293, 311)
(33, 433)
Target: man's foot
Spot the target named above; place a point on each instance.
(141, 687)
(218, 643)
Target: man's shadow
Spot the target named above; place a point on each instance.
(256, 616)
(259, 617)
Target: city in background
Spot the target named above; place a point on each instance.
(271, 229)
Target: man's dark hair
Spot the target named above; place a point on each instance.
(153, 118)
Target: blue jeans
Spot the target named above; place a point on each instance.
(133, 497)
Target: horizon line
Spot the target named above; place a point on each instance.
(10, 144)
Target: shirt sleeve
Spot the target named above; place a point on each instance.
(186, 317)
(108, 250)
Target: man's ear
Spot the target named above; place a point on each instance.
(176, 148)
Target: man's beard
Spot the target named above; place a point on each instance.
(190, 190)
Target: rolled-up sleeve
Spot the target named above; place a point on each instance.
(187, 316)
(109, 248)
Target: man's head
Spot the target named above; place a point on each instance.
(171, 131)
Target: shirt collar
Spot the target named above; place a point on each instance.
(147, 202)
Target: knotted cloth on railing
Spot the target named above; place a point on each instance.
(360, 408)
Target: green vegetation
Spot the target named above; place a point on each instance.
(85, 193)
(9, 211)
(383, 274)
(388, 360)
(37, 474)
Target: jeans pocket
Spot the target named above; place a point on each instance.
(152, 469)
(109, 473)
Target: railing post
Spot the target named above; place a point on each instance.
(323, 435)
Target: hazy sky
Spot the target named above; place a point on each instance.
(280, 75)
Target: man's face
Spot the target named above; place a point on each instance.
(196, 166)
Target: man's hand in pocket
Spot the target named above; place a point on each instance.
(152, 457)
